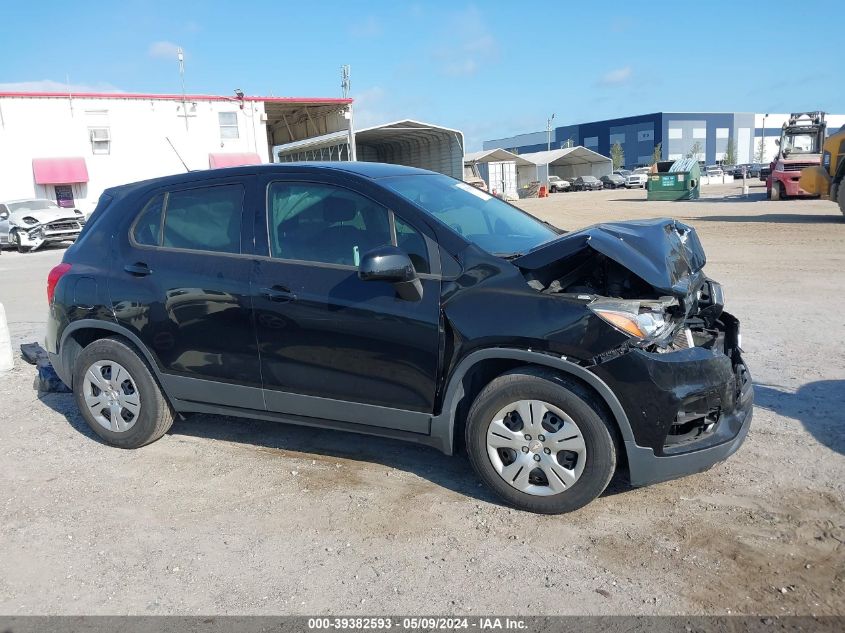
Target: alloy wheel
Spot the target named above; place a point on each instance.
(535, 447)
(111, 395)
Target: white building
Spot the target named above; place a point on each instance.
(69, 147)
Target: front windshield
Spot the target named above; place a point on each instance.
(799, 143)
(32, 205)
(484, 220)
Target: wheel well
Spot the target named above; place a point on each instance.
(79, 339)
(485, 371)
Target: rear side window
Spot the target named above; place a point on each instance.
(147, 231)
(202, 219)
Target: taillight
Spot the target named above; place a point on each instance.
(53, 278)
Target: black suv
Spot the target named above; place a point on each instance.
(398, 302)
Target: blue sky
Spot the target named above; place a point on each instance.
(488, 68)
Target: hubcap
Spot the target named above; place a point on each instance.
(111, 395)
(536, 447)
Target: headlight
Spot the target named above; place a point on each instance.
(644, 320)
(29, 220)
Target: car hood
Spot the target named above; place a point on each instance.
(663, 252)
(43, 215)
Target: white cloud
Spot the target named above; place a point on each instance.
(616, 77)
(366, 28)
(48, 85)
(163, 50)
(466, 56)
(463, 68)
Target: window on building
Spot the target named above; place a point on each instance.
(699, 133)
(100, 140)
(591, 141)
(322, 223)
(722, 132)
(228, 125)
(204, 219)
(617, 138)
(676, 133)
(645, 135)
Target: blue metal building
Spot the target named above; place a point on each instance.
(677, 132)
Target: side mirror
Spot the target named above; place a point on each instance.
(777, 142)
(4, 215)
(390, 264)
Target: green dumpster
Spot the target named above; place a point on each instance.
(675, 180)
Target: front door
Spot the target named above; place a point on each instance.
(181, 283)
(331, 345)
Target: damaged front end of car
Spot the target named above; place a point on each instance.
(31, 232)
(678, 372)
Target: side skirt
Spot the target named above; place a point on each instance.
(187, 406)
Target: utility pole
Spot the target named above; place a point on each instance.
(763, 141)
(549, 132)
(345, 85)
(181, 57)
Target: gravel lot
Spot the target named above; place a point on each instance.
(246, 517)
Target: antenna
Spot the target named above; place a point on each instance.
(346, 84)
(181, 58)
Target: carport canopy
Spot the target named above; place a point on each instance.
(406, 142)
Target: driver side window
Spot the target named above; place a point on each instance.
(332, 225)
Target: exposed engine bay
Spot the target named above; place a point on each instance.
(643, 278)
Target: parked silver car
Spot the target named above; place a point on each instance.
(29, 224)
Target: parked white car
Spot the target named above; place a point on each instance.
(556, 183)
(714, 170)
(637, 178)
(29, 224)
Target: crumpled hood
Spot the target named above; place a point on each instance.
(43, 216)
(663, 252)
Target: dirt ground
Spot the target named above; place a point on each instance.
(225, 516)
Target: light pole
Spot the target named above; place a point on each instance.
(549, 132)
(763, 141)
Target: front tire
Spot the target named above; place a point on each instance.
(118, 395)
(538, 440)
(16, 238)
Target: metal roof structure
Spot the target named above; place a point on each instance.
(406, 142)
(567, 156)
(495, 156)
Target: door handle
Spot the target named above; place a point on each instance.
(139, 269)
(279, 294)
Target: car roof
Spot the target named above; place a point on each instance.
(359, 168)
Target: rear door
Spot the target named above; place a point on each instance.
(181, 284)
(331, 345)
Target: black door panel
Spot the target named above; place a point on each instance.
(346, 339)
(192, 309)
(323, 332)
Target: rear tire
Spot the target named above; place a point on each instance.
(566, 408)
(118, 395)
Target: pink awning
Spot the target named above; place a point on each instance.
(59, 171)
(232, 160)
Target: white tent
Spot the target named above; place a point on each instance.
(407, 142)
(567, 163)
(498, 169)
